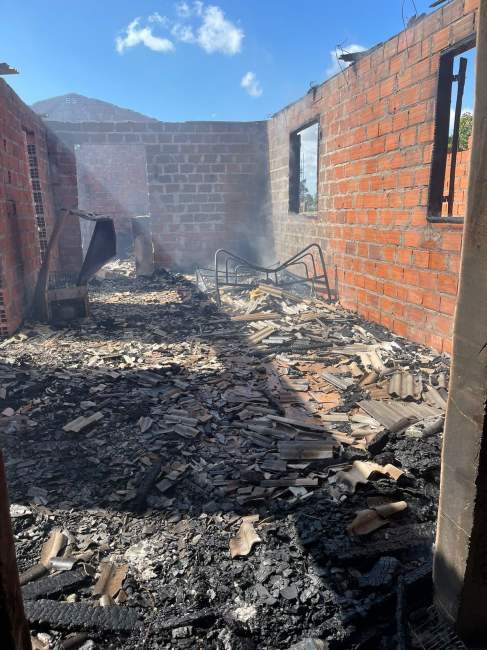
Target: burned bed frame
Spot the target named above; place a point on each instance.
(231, 270)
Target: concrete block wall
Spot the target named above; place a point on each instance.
(207, 183)
(377, 126)
(112, 180)
(20, 247)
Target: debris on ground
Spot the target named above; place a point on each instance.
(143, 443)
(245, 539)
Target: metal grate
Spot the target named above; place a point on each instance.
(3, 313)
(37, 197)
(429, 632)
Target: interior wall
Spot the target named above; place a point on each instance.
(207, 183)
(112, 180)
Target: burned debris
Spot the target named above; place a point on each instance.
(233, 478)
(59, 296)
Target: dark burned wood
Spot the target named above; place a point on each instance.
(146, 484)
(200, 618)
(401, 538)
(13, 626)
(32, 573)
(40, 307)
(5, 68)
(79, 616)
(290, 482)
(306, 450)
(55, 585)
(74, 641)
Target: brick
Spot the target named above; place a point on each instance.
(415, 296)
(447, 346)
(431, 300)
(441, 324)
(448, 283)
(471, 5)
(447, 305)
(435, 341)
(404, 256)
(412, 238)
(421, 259)
(438, 261)
(411, 276)
(400, 327)
(452, 241)
(441, 40)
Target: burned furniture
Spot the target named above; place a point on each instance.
(307, 267)
(60, 296)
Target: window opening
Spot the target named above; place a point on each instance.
(303, 172)
(453, 128)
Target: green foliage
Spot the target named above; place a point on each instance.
(464, 132)
(466, 123)
(307, 202)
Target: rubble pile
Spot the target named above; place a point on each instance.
(262, 476)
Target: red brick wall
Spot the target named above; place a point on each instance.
(377, 123)
(20, 250)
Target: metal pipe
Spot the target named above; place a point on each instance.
(457, 220)
(262, 269)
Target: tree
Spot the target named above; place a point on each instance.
(465, 131)
(307, 202)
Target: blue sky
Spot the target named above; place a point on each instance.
(227, 59)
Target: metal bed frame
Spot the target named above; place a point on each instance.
(231, 270)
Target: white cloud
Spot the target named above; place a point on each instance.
(336, 65)
(198, 7)
(157, 18)
(251, 84)
(217, 34)
(135, 34)
(183, 33)
(183, 9)
(196, 23)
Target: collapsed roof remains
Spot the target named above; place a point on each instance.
(241, 491)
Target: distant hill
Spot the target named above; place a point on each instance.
(77, 108)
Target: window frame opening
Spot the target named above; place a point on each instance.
(446, 78)
(295, 169)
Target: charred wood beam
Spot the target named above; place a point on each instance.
(13, 625)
